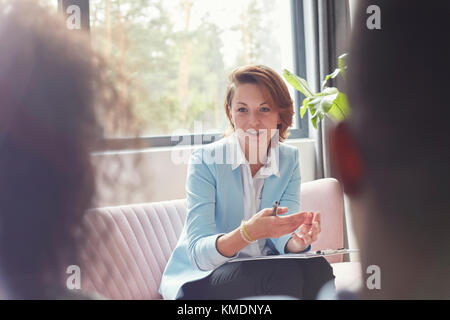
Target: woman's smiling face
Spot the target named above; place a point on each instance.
(253, 116)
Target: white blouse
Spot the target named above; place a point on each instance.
(253, 188)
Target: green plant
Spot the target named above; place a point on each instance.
(330, 101)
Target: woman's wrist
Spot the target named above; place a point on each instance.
(230, 243)
(252, 231)
(244, 233)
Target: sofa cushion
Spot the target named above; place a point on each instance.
(326, 196)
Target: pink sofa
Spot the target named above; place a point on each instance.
(127, 247)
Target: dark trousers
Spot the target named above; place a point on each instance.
(298, 278)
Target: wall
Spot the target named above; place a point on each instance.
(151, 175)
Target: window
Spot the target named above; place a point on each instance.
(176, 56)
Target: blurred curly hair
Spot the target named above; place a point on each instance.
(54, 89)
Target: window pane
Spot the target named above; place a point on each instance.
(49, 3)
(176, 55)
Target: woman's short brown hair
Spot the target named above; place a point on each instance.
(272, 84)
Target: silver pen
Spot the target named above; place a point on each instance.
(275, 208)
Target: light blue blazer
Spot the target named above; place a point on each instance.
(215, 206)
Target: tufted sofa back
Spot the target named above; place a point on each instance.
(127, 248)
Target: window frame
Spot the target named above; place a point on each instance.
(301, 129)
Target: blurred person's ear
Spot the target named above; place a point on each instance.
(346, 161)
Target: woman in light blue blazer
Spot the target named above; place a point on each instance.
(231, 187)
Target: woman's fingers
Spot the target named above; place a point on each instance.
(282, 210)
(309, 218)
(288, 224)
(315, 228)
(279, 225)
(314, 232)
(296, 218)
(316, 220)
(303, 234)
(267, 212)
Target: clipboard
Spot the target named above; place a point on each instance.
(306, 255)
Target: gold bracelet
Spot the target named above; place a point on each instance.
(245, 233)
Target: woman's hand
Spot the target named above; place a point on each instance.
(263, 225)
(307, 234)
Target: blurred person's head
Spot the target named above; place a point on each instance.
(392, 154)
(50, 81)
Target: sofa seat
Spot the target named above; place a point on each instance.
(126, 248)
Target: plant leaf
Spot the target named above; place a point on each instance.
(321, 116)
(339, 109)
(342, 64)
(326, 103)
(298, 83)
(303, 109)
(330, 76)
(314, 121)
(327, 92)
(329, 102)
(313, 110)
(326, 99)
(313, 101)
